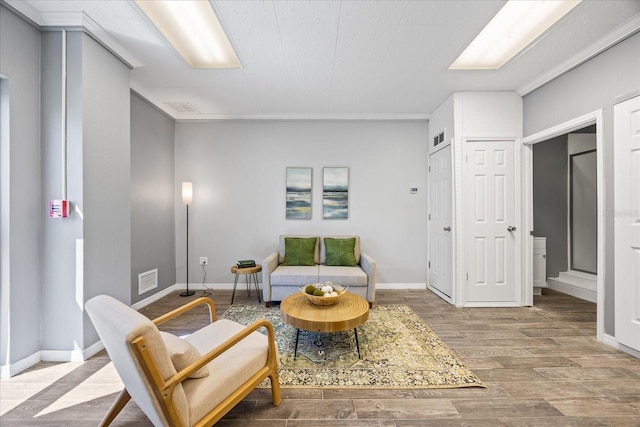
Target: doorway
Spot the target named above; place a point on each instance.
(590, 120)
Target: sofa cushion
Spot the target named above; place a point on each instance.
(323, 247)
(294, 275)
(299, 251)
(281, 248)
(340, 252)
(345, 276)
(183, 354)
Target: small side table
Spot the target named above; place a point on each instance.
(250, 275)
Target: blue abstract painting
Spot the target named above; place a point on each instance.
(298, 199)
(335, 193)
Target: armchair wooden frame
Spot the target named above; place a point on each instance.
(164, 389)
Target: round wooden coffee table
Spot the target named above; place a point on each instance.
(349, 312)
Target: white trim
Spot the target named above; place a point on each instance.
(155, 297)
(7, 371)
(406, 117)
(76, 19)
(610, 340)
(401, 286)
(62, 355)
(594, 117)
(610, 39)
(195, 118)
(573, 290)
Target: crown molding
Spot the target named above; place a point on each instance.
(74, 20)
(186, 117)
(403, 117)
(147, 96)
(613, 37)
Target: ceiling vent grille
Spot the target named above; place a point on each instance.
(182, 107)
(147, 281)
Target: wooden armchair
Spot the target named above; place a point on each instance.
(191, 381)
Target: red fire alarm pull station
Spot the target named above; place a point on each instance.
(58, 208)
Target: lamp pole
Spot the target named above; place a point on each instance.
(187, 198)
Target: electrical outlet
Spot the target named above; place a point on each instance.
(204, 260)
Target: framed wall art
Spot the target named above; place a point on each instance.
(298, 193)
(335, 193)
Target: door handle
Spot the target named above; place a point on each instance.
(511, 228)
(447, 228)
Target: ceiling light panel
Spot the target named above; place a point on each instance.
(193, 29)
(512, 29)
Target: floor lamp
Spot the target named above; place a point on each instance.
(187, 198)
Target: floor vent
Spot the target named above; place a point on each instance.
(147, 281)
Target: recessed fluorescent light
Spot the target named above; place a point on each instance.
(193, 29)
(517, 24)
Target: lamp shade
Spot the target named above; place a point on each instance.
(187, 193)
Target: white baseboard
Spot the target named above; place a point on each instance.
(573, 290)
(403, 286)
(229, 286)
(7, 371)
(610, 340)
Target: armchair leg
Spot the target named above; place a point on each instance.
(275, 390)
(115, 408)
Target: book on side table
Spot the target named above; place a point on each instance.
(246, 263)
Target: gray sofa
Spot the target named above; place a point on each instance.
(279, 281)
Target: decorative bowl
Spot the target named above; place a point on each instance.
(325, 300)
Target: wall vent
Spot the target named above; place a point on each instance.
(147, 281)
(182, 107)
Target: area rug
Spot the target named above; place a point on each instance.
(398, 350)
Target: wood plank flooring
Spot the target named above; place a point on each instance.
(542, 367)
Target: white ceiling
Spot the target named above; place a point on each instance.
(335, 59)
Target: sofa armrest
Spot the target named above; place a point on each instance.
(368, 264)
(269, 264)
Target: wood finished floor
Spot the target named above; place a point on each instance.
(542, 367)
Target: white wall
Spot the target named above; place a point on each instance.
(238, 173)
(599, 83)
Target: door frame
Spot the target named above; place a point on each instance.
(594, 117)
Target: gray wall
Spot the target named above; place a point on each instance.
(21, 211)
(599, 83)
(238, 173)
(50, 267)
(550, 200)
(106, 142)
(89, 252)
(152, 196)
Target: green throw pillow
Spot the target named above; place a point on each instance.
(299, 250)
(340, 252)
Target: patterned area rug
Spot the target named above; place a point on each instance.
(398, 350)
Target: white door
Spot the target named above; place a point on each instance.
(440, 222)
(627, 221)
(490, 217)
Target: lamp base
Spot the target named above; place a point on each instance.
(187, 293)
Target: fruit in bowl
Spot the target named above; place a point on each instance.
(325, 293)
